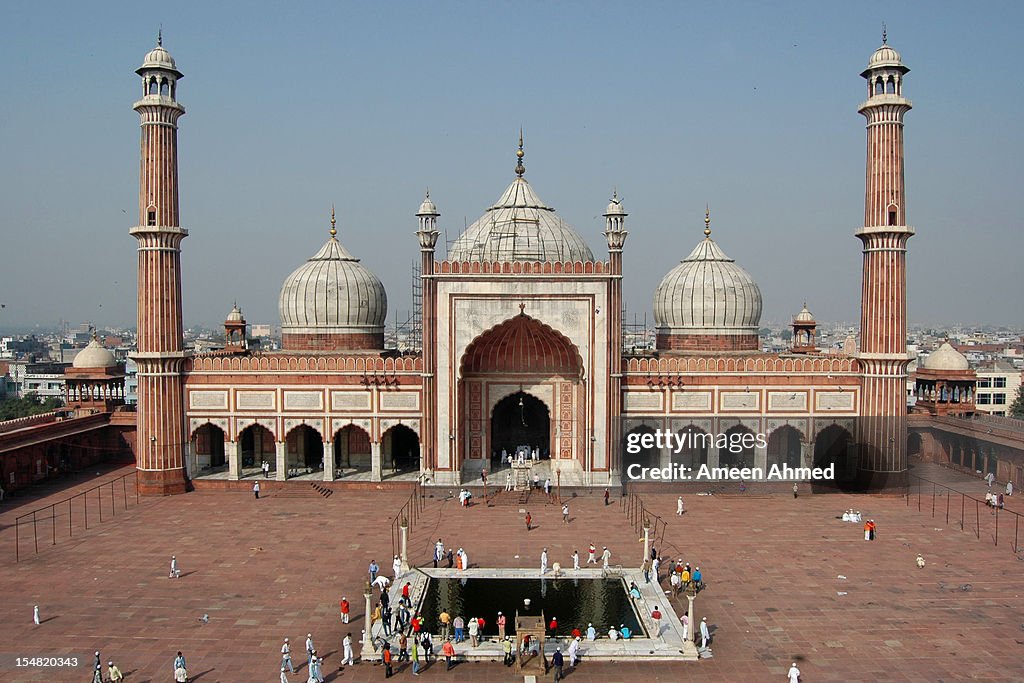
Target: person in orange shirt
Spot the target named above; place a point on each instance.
(345, 607)
(386, 658)
(448, 650)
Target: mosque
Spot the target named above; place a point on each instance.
(522, 345)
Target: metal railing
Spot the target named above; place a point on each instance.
(942, 500)
(410, 512)
(633, 506)
(48, 522)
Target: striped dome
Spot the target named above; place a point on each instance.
(332, 293)
(520, 227)
(707, 294)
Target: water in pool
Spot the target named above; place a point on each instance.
(576, 602)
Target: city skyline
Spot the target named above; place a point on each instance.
(754, 114)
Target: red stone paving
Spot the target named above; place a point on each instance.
(276, 567)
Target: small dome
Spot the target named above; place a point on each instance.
(235, 316)
(94, 357)
(804, 316)
(946, 358)
(159, 58)
(332, 293)
(520, 227)
(885, 58)
(427, 208)
(707, 294)
(615, 207)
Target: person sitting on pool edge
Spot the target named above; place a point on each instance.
(624, 630)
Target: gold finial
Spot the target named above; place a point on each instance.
(520, 169)
(334, 222)
(707, 221)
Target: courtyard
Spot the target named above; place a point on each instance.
(786, 581)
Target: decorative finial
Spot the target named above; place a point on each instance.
(160, 36)
(520, 169)
(428, 193)
(885, 35)
(522, 308)
(334, 222)
(707, 221)
(615, 195)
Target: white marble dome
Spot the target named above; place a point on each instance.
(520, 227)
(160, 59)
(885, 58)
(94, 357)
(804, 316)
(946, 358)
(332, 293)
(707, 293)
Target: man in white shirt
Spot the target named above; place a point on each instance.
(349, 657)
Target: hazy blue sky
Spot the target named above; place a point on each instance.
(748, 106)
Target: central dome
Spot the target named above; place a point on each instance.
(520, 227)
(707, 303)
(332, 302)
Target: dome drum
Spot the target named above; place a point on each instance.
(333, 341)
(687, 341)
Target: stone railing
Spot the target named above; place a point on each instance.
(23, 422)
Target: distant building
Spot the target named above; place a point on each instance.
(998, 384)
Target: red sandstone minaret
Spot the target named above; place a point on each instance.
(161, 440)
(883, 321)
(427, 233)
(615, 233)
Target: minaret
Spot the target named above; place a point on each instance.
(161, 439)
(615, 232)
(883, 321)
(428, 234)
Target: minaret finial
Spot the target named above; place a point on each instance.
(160, 36)
(334, 222)
(707, 220)
(520, 169)
(885, 35)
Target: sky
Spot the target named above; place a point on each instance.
(749, 108)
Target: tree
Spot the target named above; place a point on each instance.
(1017, 407)
(786, 335)
(29, 404)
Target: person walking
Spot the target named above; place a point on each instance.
(35, 615)
(558, 661)
(565, 513)
(348, 656)
(543, 560)
(705, 635)
(794, 674)
(607, 496)
(656, 617)
(529, 519)
(396, 567)
(385, 657)
(547, 486)
(180, 669)
(574, 652)
(345, 609)
(508, 481)
(315, 673)
(284, 676)
(309, 649)
(374, 568)
(415, 658)
(256, 489)
(459, 624)
(655, 569)
(679, 506)
(501, 626)
(796, 490)
(448, 650)
(286, 657)
(1009, 488)
(606, 556)
(175, 570)
(474, 632)
(990, 478)
(114, 674)
(575, 559)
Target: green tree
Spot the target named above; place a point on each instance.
(1017, 407)
(29, 404)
